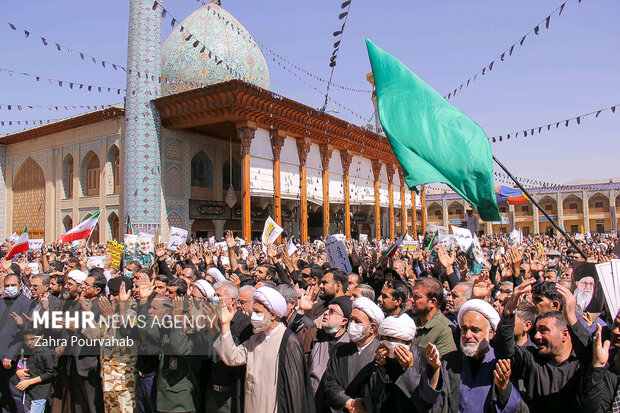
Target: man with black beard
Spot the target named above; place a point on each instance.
(11, 342)
(466, 376)
(78, 382)
(552, 372)
(334, 284)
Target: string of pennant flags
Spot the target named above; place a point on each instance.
(276, 55)
(26, 122)
(344, 16)
(9, 106)
(62, 83)
(509, 51)
(566, 122)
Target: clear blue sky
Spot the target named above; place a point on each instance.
(570, 69)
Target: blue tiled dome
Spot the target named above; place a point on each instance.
(226, 38)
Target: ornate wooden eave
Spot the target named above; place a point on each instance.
(63, 125)
(233, 102)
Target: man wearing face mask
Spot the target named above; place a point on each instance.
(10, 342)
(467, 374)
(332, 332)
(350, 364)
(276, 377)
(399, 381)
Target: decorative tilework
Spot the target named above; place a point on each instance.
(186, 68)
(142, 158)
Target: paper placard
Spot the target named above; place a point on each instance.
(35, 244)
(177, 237)
(410, 245)
(363, 237)
(115, 250)
(463, 237)
(271, 232)
(338, 257)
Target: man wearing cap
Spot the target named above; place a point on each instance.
(276, 377)
(467, 375)
(398, 380)
(351, 363)
(332, 332)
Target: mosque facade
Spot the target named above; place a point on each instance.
(209, 148)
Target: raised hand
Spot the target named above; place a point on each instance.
(513, 300)
(160, 251)
(502, 374)
(381, 356)
(123, 294)
(146, 286)
(106, 306)
(305, 301)
(433, 357)
(446, 260)
(600, 350)
(404, 357)
(230, 240)
(570, 304)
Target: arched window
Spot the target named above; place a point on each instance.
(92, 175)
(67, 176)
(202, 171)
(29, 199)
(236, 175)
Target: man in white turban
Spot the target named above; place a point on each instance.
(396, 382)
(474, 372)
(203, 290)
(352, 359)
(276, 377)
(216, 275)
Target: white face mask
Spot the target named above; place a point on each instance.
(11, 292)
(259, 321)
(356, 332)
(391, 346)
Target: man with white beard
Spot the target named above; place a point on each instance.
(467, 375)
(584, 291)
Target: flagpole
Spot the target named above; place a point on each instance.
(527, 194)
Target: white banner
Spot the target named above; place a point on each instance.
(177, 237)
(291, 248)
(338, 257)
(271, 232)
(35, 244)
(463, 237)
(610, 282)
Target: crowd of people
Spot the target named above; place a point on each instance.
(421, 330)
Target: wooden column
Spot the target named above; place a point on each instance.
(277, 141)
(423, 201)
(245, 134)
(376, 170)
(346, 158)
(303, 148)
(414, 215)
(390, 174)
(326, 154)
(403, 204)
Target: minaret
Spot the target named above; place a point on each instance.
(141, 148)
(371, 79)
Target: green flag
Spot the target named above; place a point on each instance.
(432, 140)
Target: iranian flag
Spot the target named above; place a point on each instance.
(81, 231)
(394, 247)
(21, 245)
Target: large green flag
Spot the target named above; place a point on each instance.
(432, 140)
